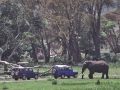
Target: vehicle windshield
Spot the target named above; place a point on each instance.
(62, 67)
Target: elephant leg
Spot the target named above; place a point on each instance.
(91, 76)
(82, 76)
(107, 75)
(103, 75)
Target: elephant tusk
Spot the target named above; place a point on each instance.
(82, 73)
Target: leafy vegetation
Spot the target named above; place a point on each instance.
(48, 32)
(57, 27)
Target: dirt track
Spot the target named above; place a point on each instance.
(9, 79)
(12, 80)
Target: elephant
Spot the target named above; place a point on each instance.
(95, 66)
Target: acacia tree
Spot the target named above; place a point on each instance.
(94, 10)
(69, 13)
(41, 33)
(12, 20)
(111, 29)
(9, 13)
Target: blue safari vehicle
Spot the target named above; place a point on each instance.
(63, 71)
(23, 73)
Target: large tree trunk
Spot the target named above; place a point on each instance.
(97, 47)
(47, 57)
(13, 51)
(74, 52)
(5, 67)
(34, 53)
(46, 50)
(96, 33)
(64, 46)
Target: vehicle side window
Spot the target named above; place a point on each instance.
(26, 69)
(20, 70)
(70, 68)
(66, 68)
(31, 70)
(61, 68)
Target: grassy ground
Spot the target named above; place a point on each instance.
(64, 84)
(49, 83)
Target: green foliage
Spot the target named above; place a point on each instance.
(4, 87)
(27, 35)
(107, 26)
(9, 10)
(54, 82)
(50, 79)
(109, 57)
(98, 82)
(103, 34)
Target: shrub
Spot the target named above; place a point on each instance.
(54, 82)
(98, 82)
(5, 88)
(50, 79)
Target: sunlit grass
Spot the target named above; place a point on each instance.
(63, 84)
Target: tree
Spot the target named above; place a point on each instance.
(14, 23)
(94, 10)
(111, 30)
(9, 13)
(40, 32)
(69, 15)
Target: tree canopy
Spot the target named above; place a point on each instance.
(62, 28)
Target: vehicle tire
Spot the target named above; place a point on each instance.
(16, 73)
(36, 76)
(55, 76)
(68, 76)
(53, 71)
(12, 73)
(62, 76)
(24, 77)
(16, 79)
(75, 76)
(28, 78)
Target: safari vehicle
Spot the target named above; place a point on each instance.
(62, 71)
(23, 73)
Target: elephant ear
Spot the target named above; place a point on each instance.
(90, 64)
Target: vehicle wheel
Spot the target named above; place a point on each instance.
(55, 76)
(36, 76)
(24, 77)
(28, 78)
(53, 71)
(12, 73)
(75, 76)
(68, 76)
(62, 76)
(16, 78)
(16, 73)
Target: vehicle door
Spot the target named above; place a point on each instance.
(31, 73)
(68, 71)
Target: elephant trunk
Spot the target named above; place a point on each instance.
(83, 69)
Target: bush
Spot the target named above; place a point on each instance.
(5, 88)
(109, 57)
(50, 79)
(54, 82)
(98, 82)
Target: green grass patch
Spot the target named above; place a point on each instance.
(63, 84)
(49, 83)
